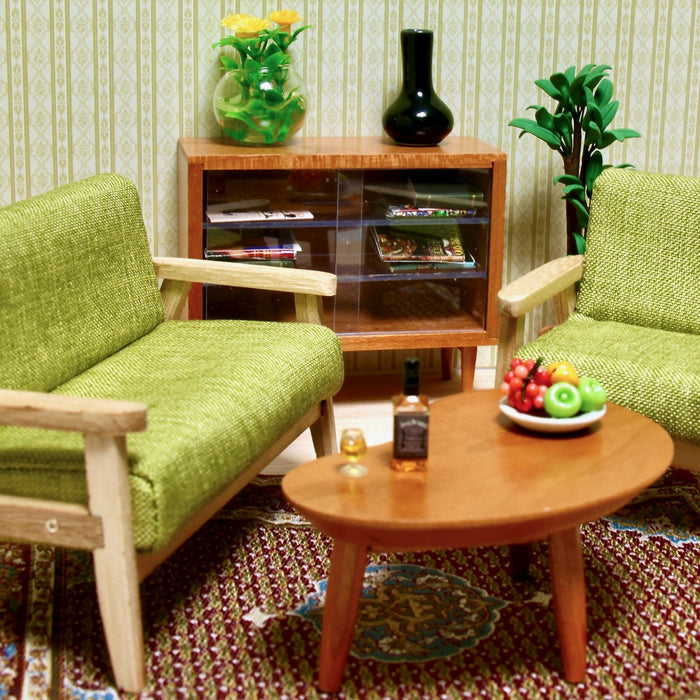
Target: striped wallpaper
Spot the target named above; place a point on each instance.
(89, 86)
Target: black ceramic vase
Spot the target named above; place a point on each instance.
(417, 117)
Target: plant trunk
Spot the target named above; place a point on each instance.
(571, 167)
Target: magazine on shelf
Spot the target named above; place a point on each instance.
(438, 196)
(409, 266)
(265, 246)
(231, 213)
(416, 243)
(408, 211)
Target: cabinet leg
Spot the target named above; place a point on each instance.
(447, 359)
(468, 367)
(569, 589)
(348, 562)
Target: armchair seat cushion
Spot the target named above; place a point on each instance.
(649, 370)
(197, 439)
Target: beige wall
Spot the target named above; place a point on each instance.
(95, 85)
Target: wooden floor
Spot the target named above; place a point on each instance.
(365, 402)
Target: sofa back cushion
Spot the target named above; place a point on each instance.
(76, 281)
(642, 253)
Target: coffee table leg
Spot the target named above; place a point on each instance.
(519, 561)
(569, 589)
(348, 562)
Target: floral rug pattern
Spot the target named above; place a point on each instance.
(412, 613)
(670, 509)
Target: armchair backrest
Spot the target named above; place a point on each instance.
(76, 281)
(642, 263)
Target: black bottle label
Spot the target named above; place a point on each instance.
(411, 436)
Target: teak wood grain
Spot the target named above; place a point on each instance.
(489, 482)
(197, 156)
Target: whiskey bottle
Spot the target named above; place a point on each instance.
(411, 413)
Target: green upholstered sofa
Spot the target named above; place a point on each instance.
(634, 322)
(93, 348)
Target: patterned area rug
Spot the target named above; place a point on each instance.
(236, 613)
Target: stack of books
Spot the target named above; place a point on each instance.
(272, 247)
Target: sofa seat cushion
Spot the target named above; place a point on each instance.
(218, 394)
(651, 371)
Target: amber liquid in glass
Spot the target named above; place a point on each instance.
(353, 447)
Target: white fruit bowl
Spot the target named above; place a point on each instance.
(549, 425)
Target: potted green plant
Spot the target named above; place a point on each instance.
(579, 130)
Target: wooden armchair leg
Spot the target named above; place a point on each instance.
(323, 431)
(115, 563)
(120, 608)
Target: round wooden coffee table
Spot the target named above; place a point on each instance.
(489, 482)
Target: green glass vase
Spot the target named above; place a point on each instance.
(260, 106)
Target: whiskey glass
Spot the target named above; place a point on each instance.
(353, 447)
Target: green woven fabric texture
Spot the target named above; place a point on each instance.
(218, 393)
(77, 281)
(642, 261)
(651, 371)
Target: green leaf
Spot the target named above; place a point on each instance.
(299, 31)
(613, 135)
(608, 113)
(570, 73)
(545, 119)
(622, 134)
(593, 134)
(529, 126)
(565, 129)
(604, 92)
(274, 97)
(227, 63)
(578, 93)
(582, 214)
(594, 168)
(575, 192)
(549, 88)
(568, 180)
(275, 60)
(592, 117)
(580, 242)
(256, 108)
(561, 83)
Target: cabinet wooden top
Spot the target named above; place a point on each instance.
(339, 153)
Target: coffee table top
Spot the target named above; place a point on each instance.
(488, 481)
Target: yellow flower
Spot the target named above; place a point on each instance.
(232, 21)
(285, 17)
(250, 26)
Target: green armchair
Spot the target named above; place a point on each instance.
(93, 350)
(634, 323)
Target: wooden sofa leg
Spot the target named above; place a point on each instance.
(323, 430)
(115, 563)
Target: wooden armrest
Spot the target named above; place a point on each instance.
(34, 409)
(536, 287)
(279, 279)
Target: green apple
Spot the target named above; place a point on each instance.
(562, 400)
(593, 396)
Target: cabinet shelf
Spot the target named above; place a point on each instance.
(349, 185)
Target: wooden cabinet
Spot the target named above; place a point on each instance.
(335, 199)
